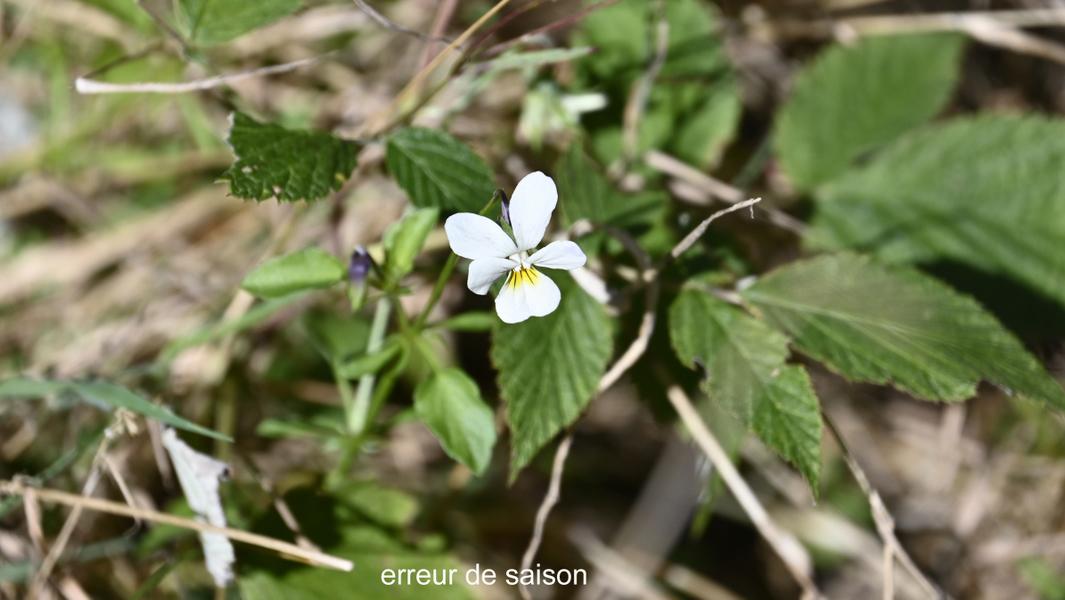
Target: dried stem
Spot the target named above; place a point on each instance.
(885, 523)
(389, 24)
(92, 86)
(548, 503)
(381, 122)
(715, 188)
(79, 503)
(783, 543)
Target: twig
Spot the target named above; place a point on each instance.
(996, 28)
(715, 188)
(440, 21)
(885, 524)
(693, 236)
(40, 579)
(381, 121)
(285, 549)
(548, 503)
(641, 91)
(623, 576)
(387, 23)
(92, 86)
(783, 543)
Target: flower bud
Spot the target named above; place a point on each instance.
(360, 265)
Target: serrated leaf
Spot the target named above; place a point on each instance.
(450, 404)
(306, 269)
(744, 363)
(882, 325)
(405, 239)
(853, 99)
(103, 395)
(437, 170)
(549, 369)
(987, 192)
(290, 165)
(209, 22)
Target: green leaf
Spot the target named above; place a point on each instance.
(437, 170)
(853, 99)
(405, 239)
(274, 162)
(368, 363)
(585, 193)
(104, 395)
(744, 362)
(882, 325)
(386, 506)
(619, 33)
(307, 269)
(987, 192)
(695, 47)
(549, 368)
(450, 404)
(469, 321)
(705, 132)
(209, 22)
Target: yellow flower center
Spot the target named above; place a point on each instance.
(522, 276)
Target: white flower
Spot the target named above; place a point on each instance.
(527, 292)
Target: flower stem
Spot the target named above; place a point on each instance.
(449, 268)
(358, 411)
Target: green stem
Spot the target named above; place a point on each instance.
(449, 268)
(358, 411)
(438, 290)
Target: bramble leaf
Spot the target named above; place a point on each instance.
(290, 165)
(987, 192)
(437, 170)
(744, 361)
(307, 269)
(883, 325)
(549, 368)
(450, 404)
(209, 22)
(852, 99)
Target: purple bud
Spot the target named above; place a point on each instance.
(360, 265)
(506, 207)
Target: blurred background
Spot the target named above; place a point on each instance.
(122, 252)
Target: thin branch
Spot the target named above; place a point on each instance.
(382, 120)
(548, 503)
(995, 28)
(387, 23)
(693, 236)
(885, 523)
(443, 16)
(285, 549)
(91, 86)
(715, 188)
(783, 543)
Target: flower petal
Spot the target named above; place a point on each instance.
(510, 304)
(531, 206)
(542, 297)
(559, 255)
(474, 236)
(484, 272)
(527, 293)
